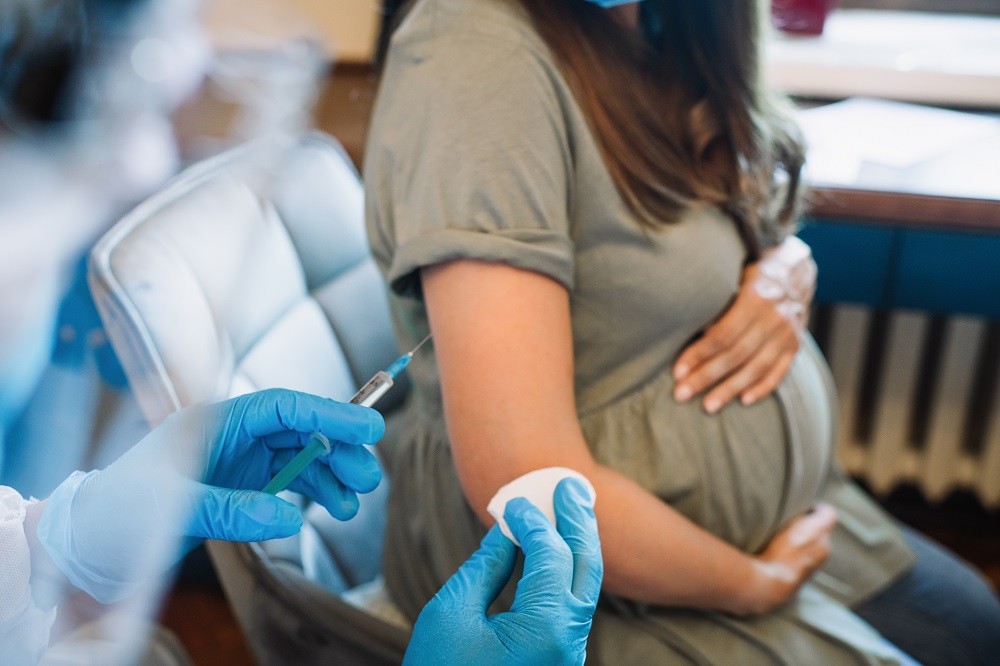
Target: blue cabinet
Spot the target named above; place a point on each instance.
(854, 262)
(891, 267)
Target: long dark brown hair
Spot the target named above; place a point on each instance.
(679, 111)
(678, 108)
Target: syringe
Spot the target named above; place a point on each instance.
(318, 444)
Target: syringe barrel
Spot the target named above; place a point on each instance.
(373, 389)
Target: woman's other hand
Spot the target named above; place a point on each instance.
(790, 560)
(749, 350)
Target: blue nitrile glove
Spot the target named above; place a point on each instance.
(555, 600)
(607, 4)
(199, 475)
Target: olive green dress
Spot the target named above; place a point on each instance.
(477, 149)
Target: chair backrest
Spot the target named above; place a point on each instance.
(243, 275)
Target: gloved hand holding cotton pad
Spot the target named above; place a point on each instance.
(538, 487)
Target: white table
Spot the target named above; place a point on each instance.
(950, 60)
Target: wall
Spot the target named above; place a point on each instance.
(350, 26)
(346, 28)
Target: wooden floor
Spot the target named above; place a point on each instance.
(197, 611)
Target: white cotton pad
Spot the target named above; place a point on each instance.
(538, 487)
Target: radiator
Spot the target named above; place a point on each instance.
(919, 398)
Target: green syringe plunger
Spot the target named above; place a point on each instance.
(318, 445)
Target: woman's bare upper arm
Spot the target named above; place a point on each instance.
(505, 352)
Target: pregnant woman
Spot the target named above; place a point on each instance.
(578, 202)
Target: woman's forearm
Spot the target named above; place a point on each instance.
(654, 554)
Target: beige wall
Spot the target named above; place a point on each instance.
(347, 28)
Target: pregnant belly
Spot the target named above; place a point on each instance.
(740, 474)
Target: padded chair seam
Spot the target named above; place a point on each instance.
(360, 263)
(307, 296)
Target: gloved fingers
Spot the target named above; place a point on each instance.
(479, 581)
(355, 466)
(276, 410)
(548, 562)
(239, 515)
(576, 522)
(318, 482)
(286, 439)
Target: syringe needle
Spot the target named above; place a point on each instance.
(421, 344)
(400, 363)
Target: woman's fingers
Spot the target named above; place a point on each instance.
(749, 350)
(753, 370)
(756, 361)
(759, 374)
(801, 534)
(723, 364)
(804, 545)
(719, 337)
(812, 527)
(770, 381)
(791, 558)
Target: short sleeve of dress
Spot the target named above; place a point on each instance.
(468, 158)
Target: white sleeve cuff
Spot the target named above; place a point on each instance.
(24, 628)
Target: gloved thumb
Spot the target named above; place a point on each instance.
(479, 581)
(240, 515)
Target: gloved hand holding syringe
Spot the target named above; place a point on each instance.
(318, 444)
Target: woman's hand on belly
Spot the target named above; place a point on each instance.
(790, 560)
(749, 350)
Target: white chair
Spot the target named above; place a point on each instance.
(226, 282)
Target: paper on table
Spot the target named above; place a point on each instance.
(842, 137)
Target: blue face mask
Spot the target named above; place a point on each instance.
(613, 3)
